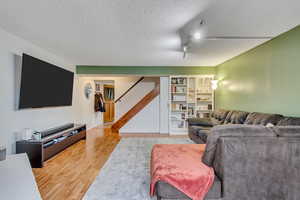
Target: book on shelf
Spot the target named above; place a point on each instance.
(180, 124)
(203, 107)
(203, 114)
(179, 107)
(204, 98)
(178, 89)
(191, 111)
(209, 106)
(173, 88)
(183, 116)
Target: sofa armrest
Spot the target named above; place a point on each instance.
(200, 122)
(258, 167)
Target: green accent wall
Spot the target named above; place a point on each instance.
(145, 70)
(264, 79)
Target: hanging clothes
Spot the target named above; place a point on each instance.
(99, 103)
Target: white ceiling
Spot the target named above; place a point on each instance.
(144, 32)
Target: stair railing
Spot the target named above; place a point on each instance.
(137, 82)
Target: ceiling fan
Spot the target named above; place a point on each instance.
(195, 31)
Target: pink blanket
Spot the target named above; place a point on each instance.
(180, 165)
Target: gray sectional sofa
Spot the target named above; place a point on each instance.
(199, 128)
(250, 162)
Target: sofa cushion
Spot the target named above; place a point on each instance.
(287, 131)
(259, 168)
(228, 116)
(167, 191)
(288, 121)
(256, 118)
(203, 134)
(215, 122)
(200, 122)
(238, 130)
(236, 117)
(194, 129)
(198, 134)
(220, 114)
(196, 139)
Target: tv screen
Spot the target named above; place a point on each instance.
(44, 84)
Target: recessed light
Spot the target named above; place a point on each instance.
(197, 35)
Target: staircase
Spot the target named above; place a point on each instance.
(136, 108)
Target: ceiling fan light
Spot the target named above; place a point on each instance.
(197, 35)
(184, 48)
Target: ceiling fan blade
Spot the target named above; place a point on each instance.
(238, 38)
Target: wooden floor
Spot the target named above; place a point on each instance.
(68, 175)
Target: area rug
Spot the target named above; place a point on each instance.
(125, 176)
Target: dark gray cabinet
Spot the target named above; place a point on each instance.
(50, 145)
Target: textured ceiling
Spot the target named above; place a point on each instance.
(145, 32)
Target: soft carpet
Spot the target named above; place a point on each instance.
(126, 173)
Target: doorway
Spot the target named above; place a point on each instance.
(109, 96)
(107, 89)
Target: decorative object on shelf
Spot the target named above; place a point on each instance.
(2, 152)
(36, 136)
(88, 90)
(26, 134)
(179, 81)
(174, 81)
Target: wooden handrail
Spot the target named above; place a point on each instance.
(119, 99)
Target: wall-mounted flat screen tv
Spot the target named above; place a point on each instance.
(44, 84)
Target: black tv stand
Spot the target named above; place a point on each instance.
(53, 141)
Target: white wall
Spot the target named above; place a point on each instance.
(86, 106)
(154, 118)
(146, 121)
(133, 97)
(12, 120)
(82, 111)
(164, 105)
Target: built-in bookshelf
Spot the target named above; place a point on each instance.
(190, 96)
